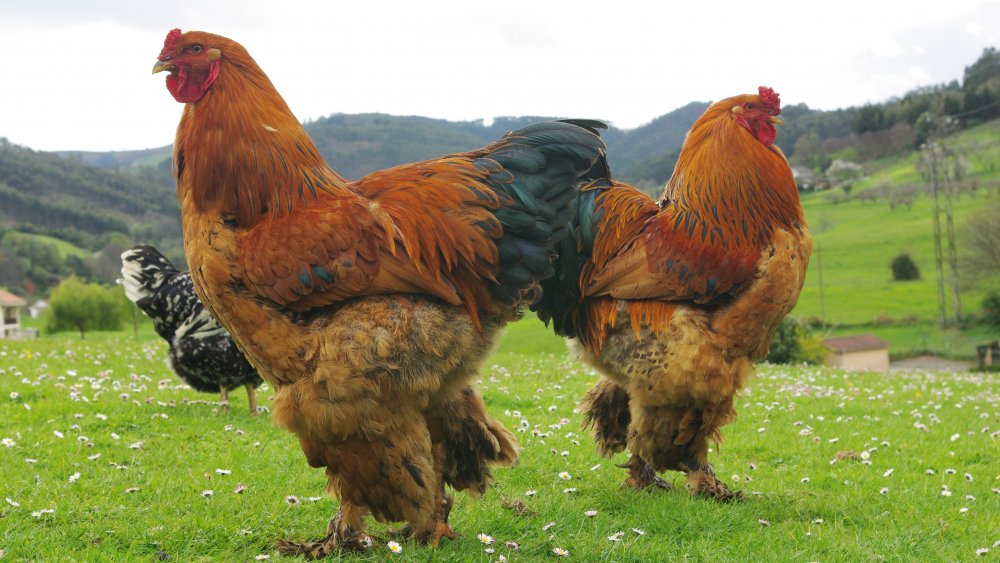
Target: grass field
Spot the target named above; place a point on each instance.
(856, 241)
(106, 458)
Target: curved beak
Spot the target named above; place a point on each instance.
(776, 120)
(161, 66)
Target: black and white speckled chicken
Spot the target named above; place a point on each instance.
(201, 352)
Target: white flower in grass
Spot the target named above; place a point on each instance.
(883, 491)
(945, 493)
(888, 472)
(501, 558)
(246, 532)
(13, 503)
(101, 416)
(512, 545)
(865, 454)
(950, 471)
(930, 472)
(560, 552)
(395, 547)
(804, 479)
(30, 460)
(207, 493)
(115, 436)
(818, 521)
(262, 557)
(968, 477)
(596, 467)
(590, 513)
(486, 539)
(963, 510)
(616, 537)
(9, 442)
(14, 395)
(223, 471)
(983, 550)
(763, 522)
(73, 478)
(58, 434)
(131, 490)
(489, 550)
(569, 490)
(93, 457)
(240, 488)
(530, 493)
(292, 499)
(548, 526)
(955, 437)
(639, 531)
(565, 476)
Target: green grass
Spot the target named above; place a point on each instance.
(792, 423)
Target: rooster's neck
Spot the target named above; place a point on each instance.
(241, 152)
(732, 182)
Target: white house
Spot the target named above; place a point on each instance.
(10, 314)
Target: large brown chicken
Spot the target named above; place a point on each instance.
(673, 301)
(368, 305)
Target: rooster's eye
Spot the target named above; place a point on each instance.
(196, 49)
(749, 105)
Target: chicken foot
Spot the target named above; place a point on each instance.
(642, 475)
(701, 480)
(346, 531)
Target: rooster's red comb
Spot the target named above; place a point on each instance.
(769, 99)
(170, 44)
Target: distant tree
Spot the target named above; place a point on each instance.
(982, 243)
(904, 268)
(75, 305)
(869, 118)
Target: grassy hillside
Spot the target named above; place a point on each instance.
(106, 457)
(857, 239)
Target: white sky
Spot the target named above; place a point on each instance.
(76, 74)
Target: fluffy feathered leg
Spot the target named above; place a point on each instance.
(467, 441)
(677, 439)
(605, 409)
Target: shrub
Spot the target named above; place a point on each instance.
(794, 343)
(904, 268)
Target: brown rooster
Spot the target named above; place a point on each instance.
(673, 301)
(368, 305)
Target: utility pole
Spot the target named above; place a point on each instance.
(938, 262)
(822, 301)
(952, 175)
